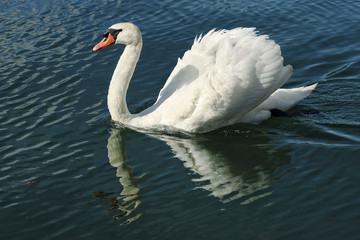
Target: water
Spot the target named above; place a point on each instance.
(67, 173)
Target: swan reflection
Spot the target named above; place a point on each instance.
(229, 168)
(128, 201)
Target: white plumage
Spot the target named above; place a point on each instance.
(228, 76)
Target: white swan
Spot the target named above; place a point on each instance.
(228, 76)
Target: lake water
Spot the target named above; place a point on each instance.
(68, 173)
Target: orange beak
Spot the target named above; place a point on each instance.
(105, 42)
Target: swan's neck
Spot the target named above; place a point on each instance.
(120, 82)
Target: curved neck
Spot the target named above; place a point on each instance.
(120, 82)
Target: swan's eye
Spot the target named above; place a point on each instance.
(113, 32)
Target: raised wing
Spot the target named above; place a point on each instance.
(226, 74)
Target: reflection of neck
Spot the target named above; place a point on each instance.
(120, 82)
(116, 148)
(117, 158)
(128, 201)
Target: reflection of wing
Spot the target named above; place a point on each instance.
(129, 197)
(228, 168)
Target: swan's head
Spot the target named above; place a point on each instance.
(120, 33)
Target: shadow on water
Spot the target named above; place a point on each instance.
(229, 166)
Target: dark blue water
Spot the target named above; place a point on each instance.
(67, 173)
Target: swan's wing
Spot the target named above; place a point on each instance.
(225, 75)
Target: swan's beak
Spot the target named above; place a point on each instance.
(105, 42)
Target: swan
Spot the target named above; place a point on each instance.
(227, 77)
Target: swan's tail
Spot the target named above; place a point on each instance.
(284, 99)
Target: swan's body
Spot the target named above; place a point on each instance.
(228, 76)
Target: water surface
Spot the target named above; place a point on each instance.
(68, 173)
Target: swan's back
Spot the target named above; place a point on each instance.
(225, 75)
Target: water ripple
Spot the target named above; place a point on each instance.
(56, 149)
